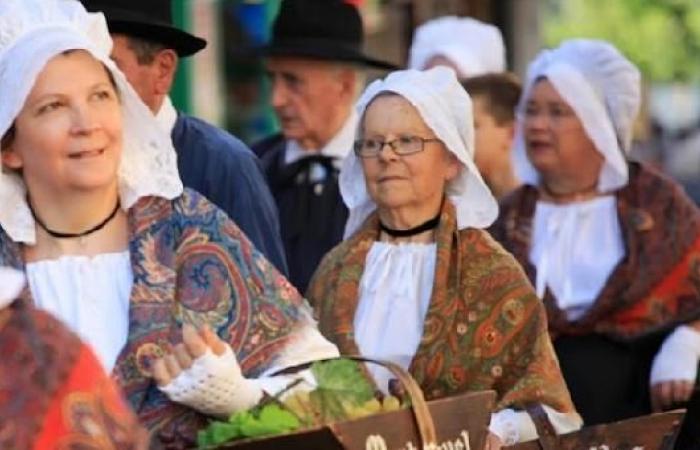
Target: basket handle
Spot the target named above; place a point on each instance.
(546, 434)
(421, 412)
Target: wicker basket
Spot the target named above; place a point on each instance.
(458, 422)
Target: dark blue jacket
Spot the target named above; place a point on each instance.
(223, 169)
(312, 213)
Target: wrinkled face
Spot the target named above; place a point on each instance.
(492, 141)
(305, 96)
(415, 181)
(68, 135)
(142, 77)
(556, 142)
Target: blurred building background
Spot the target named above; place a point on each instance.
(226, 85)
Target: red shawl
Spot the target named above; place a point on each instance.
(53, 391)
(655, 287)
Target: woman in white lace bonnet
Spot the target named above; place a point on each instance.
(610, 245)
(93, 211)
(418, 281)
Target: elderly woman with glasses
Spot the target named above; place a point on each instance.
(418, 281)
(611, 245)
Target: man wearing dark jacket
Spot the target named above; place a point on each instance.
(315, 64)
(210, 160)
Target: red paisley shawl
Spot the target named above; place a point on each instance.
(655, 287)
(54, 393)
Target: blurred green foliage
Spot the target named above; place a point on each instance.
(661, 36)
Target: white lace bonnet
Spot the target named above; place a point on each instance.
(447, 109)
(603, 89)
(475, 47)
(31, 33)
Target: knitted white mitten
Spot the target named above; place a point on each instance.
(214, 385)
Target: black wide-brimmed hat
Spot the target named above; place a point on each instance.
(320, 29)
(146, 19)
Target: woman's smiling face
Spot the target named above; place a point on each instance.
(68, 135)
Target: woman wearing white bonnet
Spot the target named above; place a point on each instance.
(169, 293)
(610, 245)
(418, 281)
(467, 45)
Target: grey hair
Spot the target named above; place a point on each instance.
(144, 49)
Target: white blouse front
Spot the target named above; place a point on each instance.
(90, 295)
(575, 248)
(394, 296)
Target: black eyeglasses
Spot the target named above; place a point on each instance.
(405, 145)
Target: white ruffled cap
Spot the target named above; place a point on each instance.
(603, 89)
(11, 284)
(31, 33)
(475, 47)
(447, 109)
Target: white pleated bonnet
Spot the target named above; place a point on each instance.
(31, 33)
(475, 47)
(603, 89)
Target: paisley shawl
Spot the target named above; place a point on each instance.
(485, 328)
(53, 391)
(192, 264)
(655, 287)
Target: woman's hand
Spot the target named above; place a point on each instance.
(194, 345)
(666, 394)
(203, 373)
(675, 368)
(493, 442)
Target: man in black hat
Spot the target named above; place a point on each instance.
(315, 63)
(211, 161)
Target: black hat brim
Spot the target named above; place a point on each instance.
(182, 42)
(340, 54)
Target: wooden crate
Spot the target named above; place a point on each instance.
(653, 432)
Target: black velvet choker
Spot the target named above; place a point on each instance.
(425, 226)
(60, 235)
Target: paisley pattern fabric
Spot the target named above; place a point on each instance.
(54, 393)
(192, 264)
(655, 287)
(485, 328)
